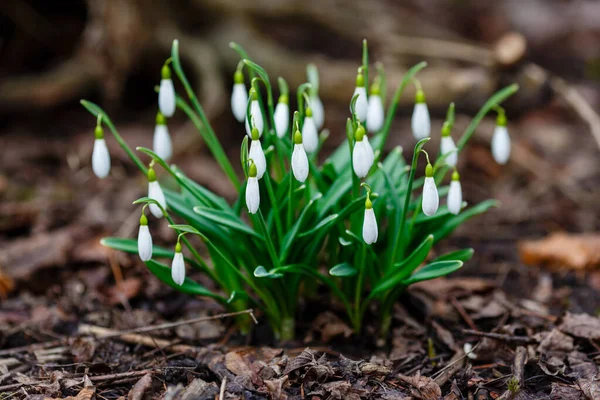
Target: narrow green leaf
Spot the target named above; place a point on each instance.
(463, 255)
(131, 246)
(289, 238)
(226, 220)
(343, 270)
(456, 220)
(186, 228)
(433, 270)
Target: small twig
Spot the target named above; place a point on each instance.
(500, 336)
(463, 313)
(457, 360)
(223, 385)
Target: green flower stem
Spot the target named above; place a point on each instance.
(359, 289)
(290, 203)
(305, 87)
(365, 64)
(207, 133)
(96, 111)
(270, 105)
(385, 132)
(274, 207)
(267, 235)
(494, 101)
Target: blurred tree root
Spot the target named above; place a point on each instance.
(118, 35)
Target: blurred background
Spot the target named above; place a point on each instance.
(53, 53)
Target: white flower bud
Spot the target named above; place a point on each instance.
(155, 193)
(362, 154)
(431, 199)
(257, 154)
(420, 123)
(310, 136)
(455, 195)
(299, 163)
(257, 119)
(370, 231)
(282, 119)
(318, 110)
(166, 98)
(162, 142)
(447, 146)
(375, 114)
(178, 267)
(239, 101)
(144, 241)
(100, 159)
(252, 195)
(362, 105)
(501, 144)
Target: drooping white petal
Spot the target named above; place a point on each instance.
(258, 119)
(370, 231)
(360, 159)
(100, 159)
(252, 195)
(178, 269)
(239, 101)
(166, 98)
(362, 105)
(310, 136)
(282, 119)
(431, 200)
(447, 146)
(455, 197)
(318, 110)
(299, 163)
(370, 151)
(155, 192)
(420, 122)
(257, 155)
(501, 145)
(162, 142)
(144, 243)
(375, 114)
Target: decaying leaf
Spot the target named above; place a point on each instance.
(423, 387)
(563, 251)
(141, 386)
(581, 326)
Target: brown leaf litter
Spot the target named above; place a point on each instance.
(562, 251)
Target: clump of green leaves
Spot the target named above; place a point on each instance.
(304, 233)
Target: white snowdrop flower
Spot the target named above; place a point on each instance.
(178, 266)
(310, 136)
(501, 140)
(431, 199)
(318, 110)
(162, 139)
(447, 146)
(362, 102)
(455, 194)
(255, 114)
(468, 349)
(299, 159)
(166, 93)
(375, 113)
(252, 191)
(369, 231)
(282, 116)
(100, 155)
(144, 240)
(370, 151)
(155, 193)
(420, 122)
(239, 97)
(361, 157)
(257, 154)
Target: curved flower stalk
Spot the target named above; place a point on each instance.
(362, 154)
(299, 159)
(255, 114)
(362, 102)
(239, 95)
(166, 93)
(420, 122)
(162, 145)
(431, 199)
(501, 139)
(282, 116)
(310, 136)
(144, 239)
(178, 265)
(100, 154)
(257, 154)
(447, 145)
(252, 190)
(312, 73)
(155, 193)
(455, 194)
(375, 113)
(369, 231)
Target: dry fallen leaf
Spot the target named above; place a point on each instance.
(563, 251)
(424, 388)
(581, 325)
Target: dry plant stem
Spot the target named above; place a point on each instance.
(518, 377)
(500, 336)
(455, 364)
